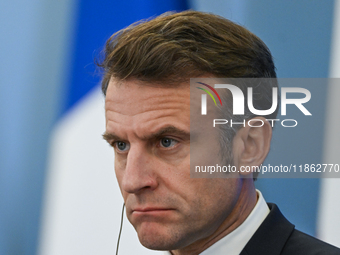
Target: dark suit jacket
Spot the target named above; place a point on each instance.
(277, 235)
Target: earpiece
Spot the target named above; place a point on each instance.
(120, 230)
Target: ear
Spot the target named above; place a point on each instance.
(251, 144)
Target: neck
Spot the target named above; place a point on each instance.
(243, 207)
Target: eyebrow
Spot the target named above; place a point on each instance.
(110, 136)
(163, 131)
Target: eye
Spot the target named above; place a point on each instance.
(121, 146)
(167, 142)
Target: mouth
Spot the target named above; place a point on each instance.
(151, 211)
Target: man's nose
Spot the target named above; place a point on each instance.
(139, 173)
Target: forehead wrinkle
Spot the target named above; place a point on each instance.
(138, 127)
(163, 101)
(112, 114)
(150, 126)
(147, 107)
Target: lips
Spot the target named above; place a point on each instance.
(151, 211)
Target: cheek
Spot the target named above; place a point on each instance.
(206, 205)
(219, 198)
(210, 196)
(119, 171)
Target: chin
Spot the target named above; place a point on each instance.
(156, 242)
(158, 238)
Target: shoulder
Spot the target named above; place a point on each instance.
(277, 236)
(301, 243)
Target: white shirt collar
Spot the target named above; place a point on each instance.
(234, 242)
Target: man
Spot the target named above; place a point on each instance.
(148, 67)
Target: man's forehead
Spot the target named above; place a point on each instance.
(132, 102)
(134, 91)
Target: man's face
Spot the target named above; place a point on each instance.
(149, 128)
